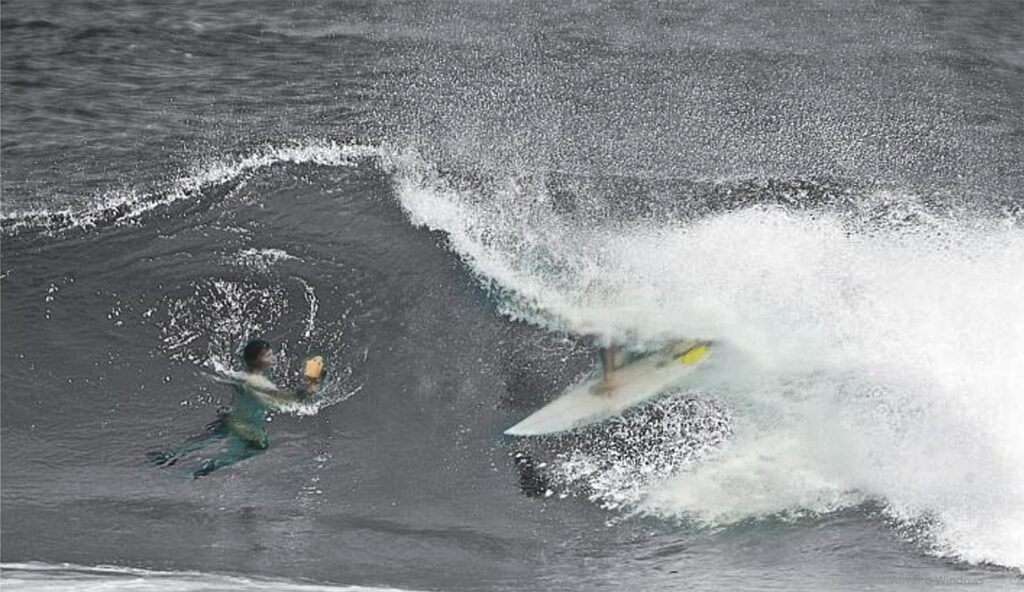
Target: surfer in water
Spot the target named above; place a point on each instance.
(242, 428)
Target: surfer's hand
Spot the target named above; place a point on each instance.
(314, 368)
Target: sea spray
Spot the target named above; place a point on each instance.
(880, 347)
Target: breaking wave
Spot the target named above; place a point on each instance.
(874, 338)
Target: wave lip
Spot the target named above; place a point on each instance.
(117, 207)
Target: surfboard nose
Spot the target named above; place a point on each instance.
(584, 404)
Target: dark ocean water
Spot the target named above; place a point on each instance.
(430, 194)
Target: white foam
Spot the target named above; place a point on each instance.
(260, 259)
(881, 360)
(131, 204)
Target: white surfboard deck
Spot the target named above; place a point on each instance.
(584, 403)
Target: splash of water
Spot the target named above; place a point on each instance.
(129, 205)
(877, 351)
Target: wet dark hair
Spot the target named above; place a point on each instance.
(252, 351)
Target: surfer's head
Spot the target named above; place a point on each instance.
(257, 355)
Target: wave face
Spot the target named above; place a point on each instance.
(453, 204)
(873, 351)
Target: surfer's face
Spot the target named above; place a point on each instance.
(266, 359)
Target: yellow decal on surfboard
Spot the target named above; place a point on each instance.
(693, 354)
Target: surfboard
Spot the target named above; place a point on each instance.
(587, 403)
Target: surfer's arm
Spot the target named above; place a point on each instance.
(280, 397)
(307, 390)
(271, 394)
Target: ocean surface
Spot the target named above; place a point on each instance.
(440, 198)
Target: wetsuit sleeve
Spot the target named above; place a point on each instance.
(273, 395)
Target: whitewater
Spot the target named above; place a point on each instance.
(873, 355)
